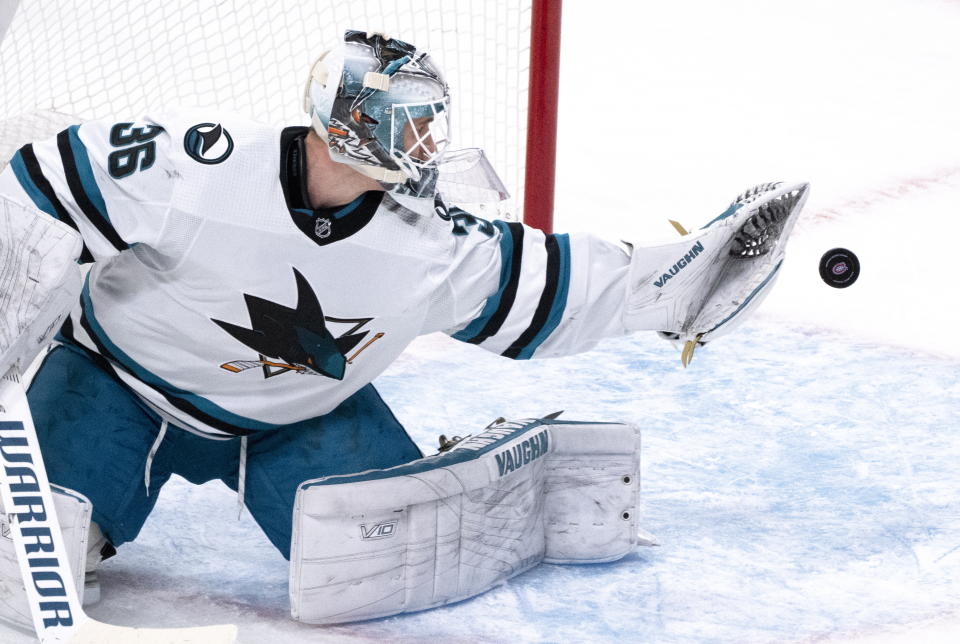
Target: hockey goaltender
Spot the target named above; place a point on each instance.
(248, 284)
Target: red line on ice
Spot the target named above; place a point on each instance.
(892, 192)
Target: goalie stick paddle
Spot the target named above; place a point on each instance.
(54, 604)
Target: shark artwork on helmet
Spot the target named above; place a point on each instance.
(382, 106)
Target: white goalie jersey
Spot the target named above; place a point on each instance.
(231, 306)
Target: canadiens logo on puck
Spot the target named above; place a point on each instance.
(208, 143)
(839, 267)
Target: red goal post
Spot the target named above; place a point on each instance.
(544, 94)
(120, 58)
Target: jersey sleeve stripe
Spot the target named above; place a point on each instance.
(498, 305)
(29, 186)
(27, 170)
(83, 185)
(194, 405)
(493, 302)
(553, 300)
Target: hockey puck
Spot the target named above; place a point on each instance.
(839, 268)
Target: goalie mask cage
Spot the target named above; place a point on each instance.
(120, 58)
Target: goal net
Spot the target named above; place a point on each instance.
(119, 58)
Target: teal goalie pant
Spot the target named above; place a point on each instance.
(96, 436)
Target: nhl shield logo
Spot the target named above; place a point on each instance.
(323, 228)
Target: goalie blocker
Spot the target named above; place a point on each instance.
(451, 526)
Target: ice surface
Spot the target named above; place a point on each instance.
(802, 474)
(802, 484)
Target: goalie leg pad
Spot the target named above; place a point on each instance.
(448, 527)
(73, 511)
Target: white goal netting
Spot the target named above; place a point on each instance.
(120, 58)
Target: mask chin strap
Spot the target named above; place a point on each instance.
(381, 174)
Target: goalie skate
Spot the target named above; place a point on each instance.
(704, 286)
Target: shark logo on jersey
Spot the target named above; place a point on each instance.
(208, 143)
(297, 339)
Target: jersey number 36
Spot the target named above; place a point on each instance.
(138, 150)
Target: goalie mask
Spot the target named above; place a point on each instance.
(382, 106)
